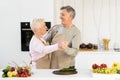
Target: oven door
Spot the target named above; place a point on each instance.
(25, 39)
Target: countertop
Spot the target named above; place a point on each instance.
(46, 74)
(84, 60)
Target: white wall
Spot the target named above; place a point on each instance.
(95, 19)
(12, 12)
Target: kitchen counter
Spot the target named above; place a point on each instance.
(46, 74)
(84, 60)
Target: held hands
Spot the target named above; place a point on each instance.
(63, 45)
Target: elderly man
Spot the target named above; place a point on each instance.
(64, 31)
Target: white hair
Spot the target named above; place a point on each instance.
(36, 23)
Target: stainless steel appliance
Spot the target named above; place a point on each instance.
(26, 34)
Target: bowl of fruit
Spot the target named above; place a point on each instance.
(103, 70)
(88, 47)
(16, 71)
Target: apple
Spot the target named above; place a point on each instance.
(94, 66)
(103, 65)
(12, 68)
(89, 46)
(82, 46)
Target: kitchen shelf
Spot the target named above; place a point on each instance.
(99, 51)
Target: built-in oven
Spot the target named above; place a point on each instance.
(26, 34)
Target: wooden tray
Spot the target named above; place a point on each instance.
(64, 73)
(84, 50)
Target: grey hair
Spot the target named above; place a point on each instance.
(69, 10)
(36, 23)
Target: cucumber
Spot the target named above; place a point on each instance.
(67, 69)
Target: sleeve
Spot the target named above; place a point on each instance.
(38, 50)
(46, 49)
(75, 45)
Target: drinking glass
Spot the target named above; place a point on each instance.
(116, 46)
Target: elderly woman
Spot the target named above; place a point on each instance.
(39, 51)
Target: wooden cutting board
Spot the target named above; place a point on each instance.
(64, 73)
